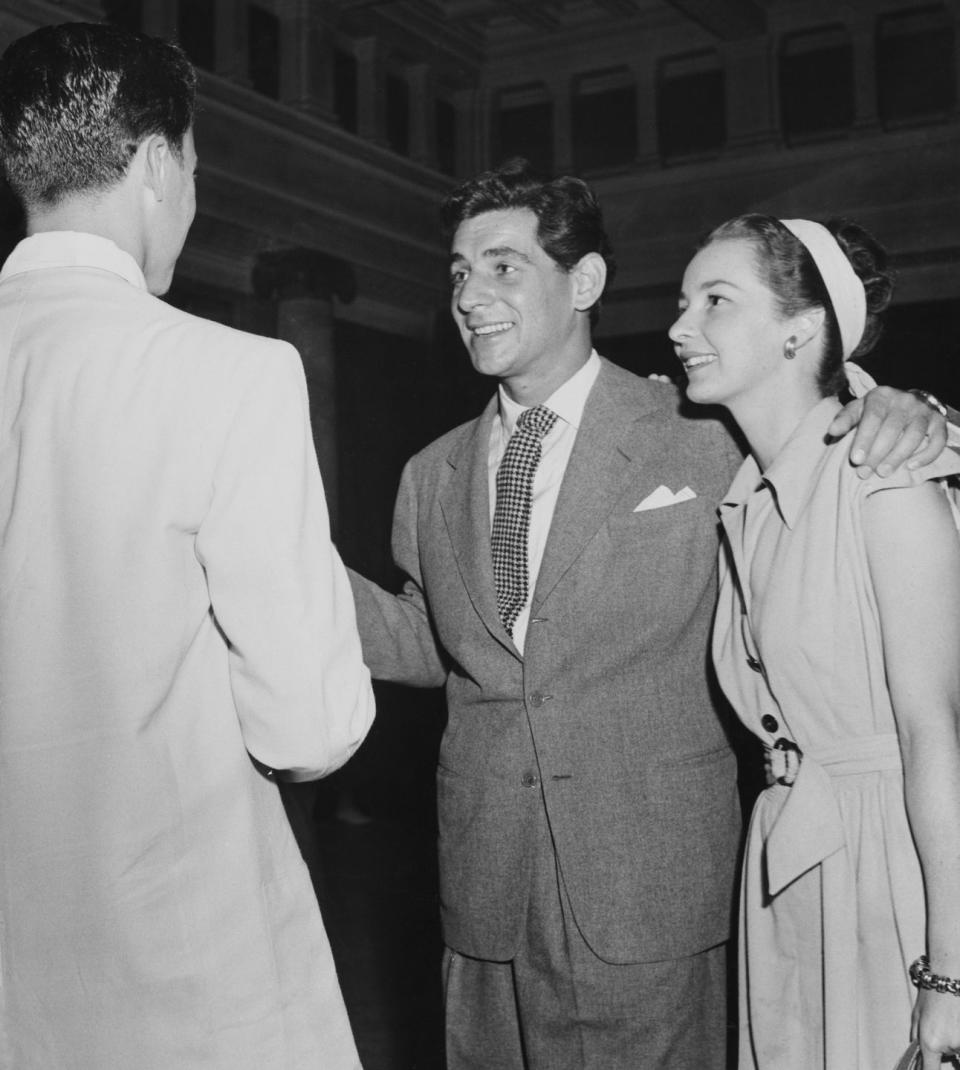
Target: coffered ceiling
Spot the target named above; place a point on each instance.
(489, 24)
(725, 18)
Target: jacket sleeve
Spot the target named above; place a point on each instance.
(399, 641)
(278, 589)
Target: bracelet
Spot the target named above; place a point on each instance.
(923, 977)
(928, 399)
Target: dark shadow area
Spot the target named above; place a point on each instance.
(11, 221)
(368, 834)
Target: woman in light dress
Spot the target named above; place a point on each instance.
(838, 642)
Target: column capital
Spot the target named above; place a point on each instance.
(297, 273)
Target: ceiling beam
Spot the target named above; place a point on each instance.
(725, 19)
(617, 7)
(533, 13)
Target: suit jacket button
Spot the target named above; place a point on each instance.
(769, 723)
(537, 699)
(529, 780)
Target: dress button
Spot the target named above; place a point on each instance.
(769, 723)
(754, 664)
(537, 699)
(529, 780)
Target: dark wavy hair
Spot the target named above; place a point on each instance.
(569, 219)
(77, 99)
(789, 272)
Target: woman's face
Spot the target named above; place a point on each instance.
(729, 335)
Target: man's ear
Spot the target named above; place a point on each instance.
(155, 153)
(589, 277)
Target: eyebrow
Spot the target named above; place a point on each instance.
(719, 282)
(492, 254)
(682, 296)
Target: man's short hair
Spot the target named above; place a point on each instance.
(569, 219)
(76, 100)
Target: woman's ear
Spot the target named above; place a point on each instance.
(808, 326)
(589, 277)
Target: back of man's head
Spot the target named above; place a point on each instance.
(77, 99)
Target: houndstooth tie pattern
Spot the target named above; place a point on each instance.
(511, 517)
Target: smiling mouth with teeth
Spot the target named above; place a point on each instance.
(696, 359)
(491, 328)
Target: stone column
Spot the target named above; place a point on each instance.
(866, 108)
(306, 69)
(473, 130)
(232, 45)
(751, 122)
(423, 116)
(303, 282)
(644, 70)
(561, 95)
(371, 91)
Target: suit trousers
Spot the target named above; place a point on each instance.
(557, 1006)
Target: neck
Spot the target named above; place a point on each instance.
(102, 214)
(767, 423)
(535, 387)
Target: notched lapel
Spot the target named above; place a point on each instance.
(465, 503)
(600, 470)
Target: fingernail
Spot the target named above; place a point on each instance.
(884, 470)
(864, 473)
(857, 456)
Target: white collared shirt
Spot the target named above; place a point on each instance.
(567, 402)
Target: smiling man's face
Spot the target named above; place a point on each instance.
(515, 306)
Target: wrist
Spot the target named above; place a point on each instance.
(930, 401)
(923, 977)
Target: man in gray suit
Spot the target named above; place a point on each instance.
(588, 808)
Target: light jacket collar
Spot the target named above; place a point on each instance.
(71, 248)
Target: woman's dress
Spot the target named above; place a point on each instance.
(832, 908)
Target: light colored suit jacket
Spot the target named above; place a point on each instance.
(609, 714)
(170, 604)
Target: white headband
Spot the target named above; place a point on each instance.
(846, 291)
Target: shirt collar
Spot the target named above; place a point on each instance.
(789, 477)
(567, 401)
(72, 248)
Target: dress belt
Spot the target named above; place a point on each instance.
(860, 754)
(846, 757)
(808, 827)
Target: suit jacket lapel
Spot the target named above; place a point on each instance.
(465, 503)
(600, 469)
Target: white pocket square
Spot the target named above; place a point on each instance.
(664, 496)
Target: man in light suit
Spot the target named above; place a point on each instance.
(175, 625)
(588, 808)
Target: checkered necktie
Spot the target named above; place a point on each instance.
(511, 518)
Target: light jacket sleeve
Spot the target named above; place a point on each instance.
(278, 589)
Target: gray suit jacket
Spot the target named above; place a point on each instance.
(608, 714)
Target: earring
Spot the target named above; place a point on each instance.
(790, 347)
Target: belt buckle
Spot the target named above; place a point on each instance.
(792, 757)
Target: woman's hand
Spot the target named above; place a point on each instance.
(936, 1022)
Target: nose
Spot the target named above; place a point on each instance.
(472, 293)
(681, 327)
